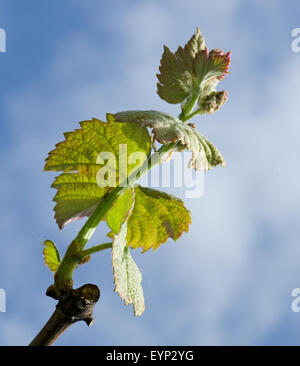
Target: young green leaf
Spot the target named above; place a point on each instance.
(190, 70)
(210, 65)
(127, 276)
(156, 216)
(190, 50)
(77, 196)
(176, 70)
(51, 256)
(167, 128)
(117, 215)
(78, 158)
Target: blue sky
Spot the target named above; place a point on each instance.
(229, 280)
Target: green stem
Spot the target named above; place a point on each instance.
(184, 115)
(93, 221)
(191, 115)
(96, 249)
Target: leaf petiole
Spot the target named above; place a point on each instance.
(95, 249)
(187, 109)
